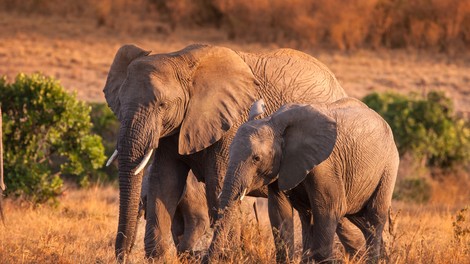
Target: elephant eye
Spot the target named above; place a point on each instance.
(162, 105)
(256, 158)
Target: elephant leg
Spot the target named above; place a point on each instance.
(351, 237)
(372, 218)
(213, 185)
(194, 210)
(177, 226)
(323, 233)
(167, 182)
(306, 222)
(282, 221)
(372, 231)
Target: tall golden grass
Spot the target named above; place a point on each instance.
(81, 229)
(437, 25)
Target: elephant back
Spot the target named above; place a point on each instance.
(291, 76)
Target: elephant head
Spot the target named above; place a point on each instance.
(198, 92)
(283, 147)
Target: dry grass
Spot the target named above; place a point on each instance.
(82, 230)
(432, 24)
(438, 25)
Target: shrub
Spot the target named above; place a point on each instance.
(106, 125)
(461, 224)
(47, 134)
(427, 128)
(431, 24)
(412, 190)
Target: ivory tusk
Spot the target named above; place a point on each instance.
(258, 108)
(218, 196)
(112, 158)
(144, 162)
(243, 194)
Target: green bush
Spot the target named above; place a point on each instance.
(106, 125)
(412, 190)
(47, 134)
(427, 128)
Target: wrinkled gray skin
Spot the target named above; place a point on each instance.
(187, 106)
(191, 220)
(334, 162)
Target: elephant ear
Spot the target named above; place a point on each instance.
(309, 138)
(118, 73)
(222, 89)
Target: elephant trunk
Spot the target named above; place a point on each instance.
(226, 231)
(234, 189)
(133, 145)
(129, 193)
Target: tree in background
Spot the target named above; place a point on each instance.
(428, 131)
(427, 127)
(47, 134)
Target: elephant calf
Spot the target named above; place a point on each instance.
(335, 162)
(191, 219)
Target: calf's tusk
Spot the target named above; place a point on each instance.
(243, 194)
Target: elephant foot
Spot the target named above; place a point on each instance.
(219, 257)
(166, 257)
(158, 254)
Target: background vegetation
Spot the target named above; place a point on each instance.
(47, 134)
(437, 25)
(426, 128)
(429, 135)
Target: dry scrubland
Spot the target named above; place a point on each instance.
(73, 48)
(82, 230)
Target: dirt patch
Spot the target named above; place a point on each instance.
(79, 53)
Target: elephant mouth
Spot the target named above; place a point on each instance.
(141, 165)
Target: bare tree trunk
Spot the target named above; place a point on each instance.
(2, 185)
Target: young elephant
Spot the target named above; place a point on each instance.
(335, 162)
(191, 219)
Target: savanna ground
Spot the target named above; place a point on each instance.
(81, 229)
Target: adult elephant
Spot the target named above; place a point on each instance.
(185, 107)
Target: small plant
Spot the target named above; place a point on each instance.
(47, 134)
(413, 190)
(461, 225)
(106, 125)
